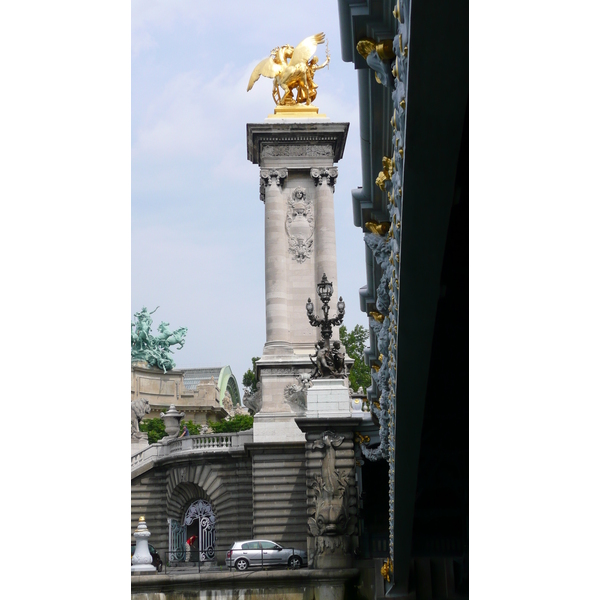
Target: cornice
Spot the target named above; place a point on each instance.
(296, 134)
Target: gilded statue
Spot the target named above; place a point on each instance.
(292, 69)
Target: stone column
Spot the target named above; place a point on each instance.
(276, 296)
(299, 245)
(325, 252)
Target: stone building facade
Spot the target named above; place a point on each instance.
(203, 394)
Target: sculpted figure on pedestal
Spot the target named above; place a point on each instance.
(291, 69)
(139, 409)
(322, 360)
(155, 350)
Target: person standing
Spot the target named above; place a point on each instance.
(188, 547)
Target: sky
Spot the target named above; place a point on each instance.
(197, 223)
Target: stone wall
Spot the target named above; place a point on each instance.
(200, 405)
(279, 493)
(164, 492)
(148, 498)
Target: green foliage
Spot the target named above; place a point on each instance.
(155, 428)
(249, 379)
(354, 342)
(237, 423)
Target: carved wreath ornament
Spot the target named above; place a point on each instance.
(299, 225)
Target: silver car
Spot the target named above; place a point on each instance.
(258, 553)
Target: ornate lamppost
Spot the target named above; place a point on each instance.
(329, 362)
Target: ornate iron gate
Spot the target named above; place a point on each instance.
(176, 541)
(202, 511)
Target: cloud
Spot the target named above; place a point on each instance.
(197, 115)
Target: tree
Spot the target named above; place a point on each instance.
(249, 380)
(155, 428)
(354, 342)
(237, 423)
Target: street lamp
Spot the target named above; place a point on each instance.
(325, 291)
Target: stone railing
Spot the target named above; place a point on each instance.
(195, 444)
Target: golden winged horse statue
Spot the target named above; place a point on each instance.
(291, 68)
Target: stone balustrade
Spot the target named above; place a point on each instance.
(194, 444)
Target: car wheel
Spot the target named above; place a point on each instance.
(295, 562)
(242, 564)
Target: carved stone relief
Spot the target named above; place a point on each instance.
(269, 150)
(299, 225)
(333, 511)
(329, 175)
(268, 176)
(253, 401)
(295, 394)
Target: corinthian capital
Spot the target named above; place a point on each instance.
(321, 174)
(267, 176)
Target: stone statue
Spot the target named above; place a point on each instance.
(334, 517)
(228, 402)
(253, 400)
(139, 409)
(295, 394)
(154, 350)
(338, 357)
(291, 69)
(328, 363)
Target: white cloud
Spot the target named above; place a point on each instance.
(198, 116)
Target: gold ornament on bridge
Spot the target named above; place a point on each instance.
(387, 569)
(378, 228)
(292, 69)
(386, 174)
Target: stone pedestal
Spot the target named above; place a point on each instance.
(332, 495)
(141, 562)
(139, 442)
(328, 398)
(297, 181)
